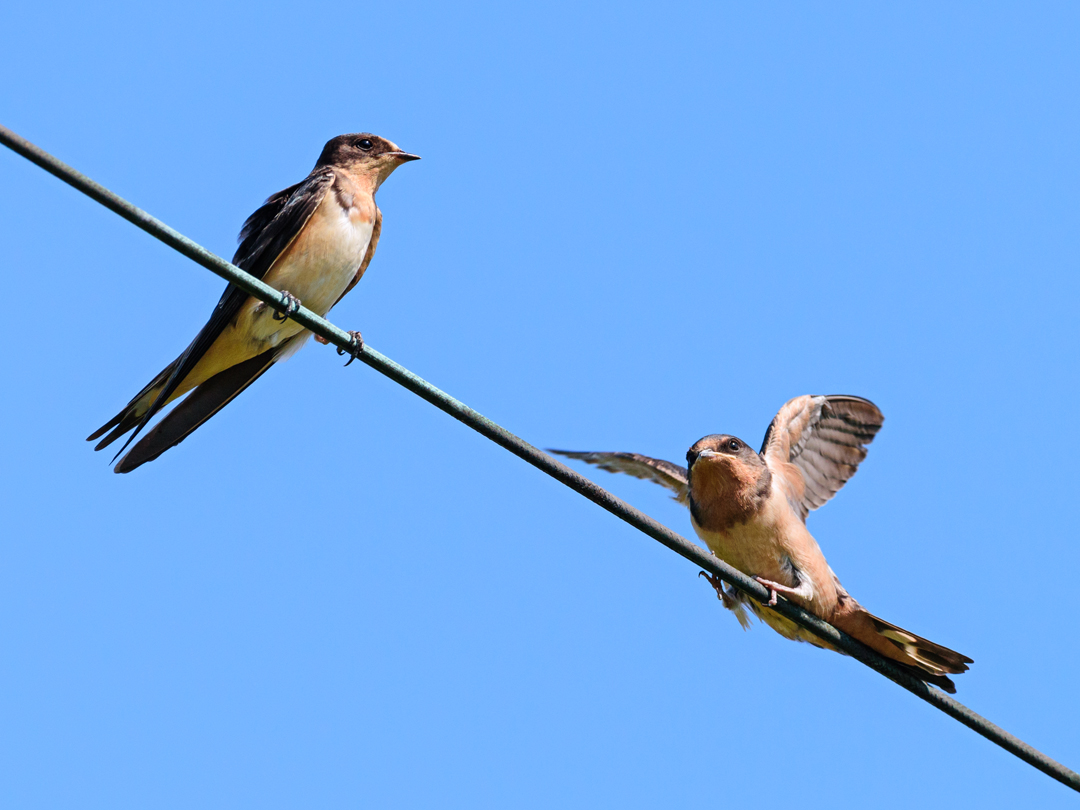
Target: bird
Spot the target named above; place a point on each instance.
(312, 241)
(750, 509)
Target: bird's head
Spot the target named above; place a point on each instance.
(725, 475)
(364, 154)
(720, 454)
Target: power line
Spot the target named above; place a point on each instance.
(539, 459)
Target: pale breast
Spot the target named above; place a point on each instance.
(769, 544)
(753, 547)
(324, 258)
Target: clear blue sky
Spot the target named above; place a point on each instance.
(633, 226)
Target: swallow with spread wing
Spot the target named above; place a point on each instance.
(750, 509)
(312, 241)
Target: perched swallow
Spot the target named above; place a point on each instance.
(750, 509)
(313, 242)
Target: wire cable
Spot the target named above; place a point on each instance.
(539, 459)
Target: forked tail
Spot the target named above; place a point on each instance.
(922, 658)
(132, 413)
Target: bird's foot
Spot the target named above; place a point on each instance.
(292, 306)
(718, 585)
(356, 348)
(774, 588)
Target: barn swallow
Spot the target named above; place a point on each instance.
(751, 508)
(311, 241)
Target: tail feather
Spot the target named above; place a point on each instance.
(133, 412)
(942, 682)
(124, 421)
(920, 657)
(927, 655)
(200, 405)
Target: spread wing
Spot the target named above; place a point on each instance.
(675, 478)
(656, 470)
(265, 236)
(824, 439)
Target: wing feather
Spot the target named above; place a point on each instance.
(200, 405)
(666, 474)
(824, 438)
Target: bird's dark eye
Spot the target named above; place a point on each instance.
(733, 446)
(365, 144)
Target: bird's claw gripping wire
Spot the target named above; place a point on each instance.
(292, 306)
(356, 347)
(775, 588)
(726, 598)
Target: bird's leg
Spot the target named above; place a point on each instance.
(292, 306)
(718, 585)
(356, 348)
(805, 590)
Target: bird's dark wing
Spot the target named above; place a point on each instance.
(656, 470)
(824, 438)
(265, 236)
(197, 407)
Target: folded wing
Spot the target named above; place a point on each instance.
(265, 236)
